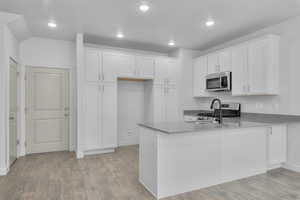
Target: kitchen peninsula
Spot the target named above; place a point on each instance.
(178, 157)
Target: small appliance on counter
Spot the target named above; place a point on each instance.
(229, 110)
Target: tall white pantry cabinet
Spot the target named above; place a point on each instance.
(100, 103)
(102, 70)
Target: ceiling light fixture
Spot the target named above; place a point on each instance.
(120, 35)
(52, 24)
(144, 7)
(171, 43)
(210, 23)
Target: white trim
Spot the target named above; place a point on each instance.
(79, 154)
(3, 171)
(148, 189)
(274, 166)
(292, 167)
(99, 151)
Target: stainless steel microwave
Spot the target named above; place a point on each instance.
(218, 82)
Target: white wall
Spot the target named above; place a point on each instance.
(44, 52)
(130, 111)
(288, 100)
(8, 49)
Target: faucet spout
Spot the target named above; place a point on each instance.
(212, 106)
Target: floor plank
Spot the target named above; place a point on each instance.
(114, 176)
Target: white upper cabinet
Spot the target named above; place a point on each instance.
(92, 65)
(199, 74)
(145, 67)
(120, 65)
(225, 61)
(166, 71)
(239, 70)
(172, 71)
(254, 65)
(219, 61)
(263, 66)
(161, 69)
(213, 63)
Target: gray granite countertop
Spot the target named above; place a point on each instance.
(247, 120)
(184, 127)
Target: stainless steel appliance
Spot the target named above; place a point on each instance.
(229, 110)
(218, 82)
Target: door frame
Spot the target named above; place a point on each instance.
(71, 132)
(18, 117)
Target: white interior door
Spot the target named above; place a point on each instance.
(47, 110)
(13, 112)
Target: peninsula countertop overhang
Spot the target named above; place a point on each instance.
(185, 127)
(246, 121)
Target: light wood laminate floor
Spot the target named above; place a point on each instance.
(114, 176)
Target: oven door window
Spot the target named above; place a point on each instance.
(213, 83)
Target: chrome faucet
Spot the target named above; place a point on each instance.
(212, 106)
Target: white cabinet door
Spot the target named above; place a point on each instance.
(172, 104)
(92, 64)
(161, 70)
(117, 65)
(244, 153)
(199, 74)
(172, 71)
(259, 61)
(239, 70)
(109, 115)
(159, 102)
(92, 118)
(213, 63)
(277, 145)
(145, 67)
(225, 61)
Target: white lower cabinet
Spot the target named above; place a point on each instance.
(244, 153)
(277, 146)
(100, 116)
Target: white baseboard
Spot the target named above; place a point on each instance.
(3, 171)
(292, 167)
(99, 151)
(274, 166)
(79, 154)
(127, 143)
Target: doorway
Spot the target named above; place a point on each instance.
(13, 111)
(47, 110)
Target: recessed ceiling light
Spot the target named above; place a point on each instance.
(210, 23)
(171, 43)
(52, 24)
(144, 7)
(120, 35)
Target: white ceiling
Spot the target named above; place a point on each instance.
(181, 20)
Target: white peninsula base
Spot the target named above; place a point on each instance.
(171, 164)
